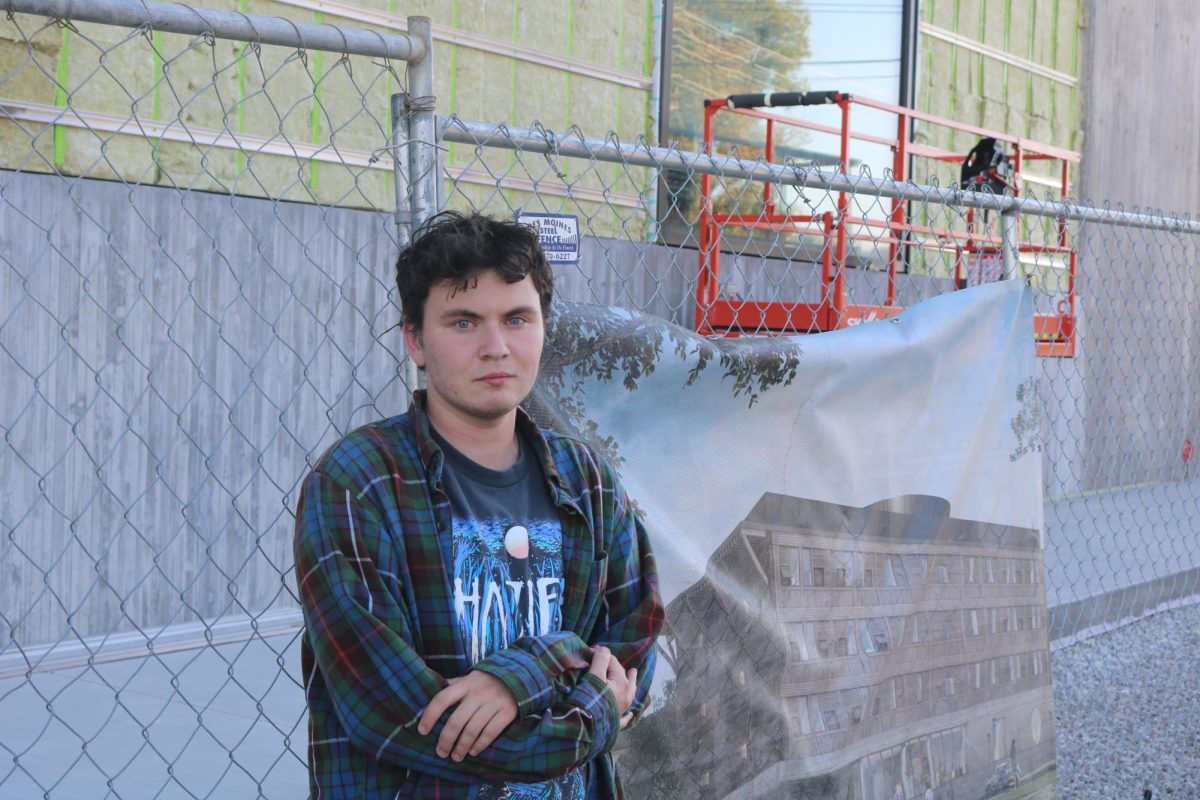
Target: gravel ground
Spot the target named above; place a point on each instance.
(1128, 711)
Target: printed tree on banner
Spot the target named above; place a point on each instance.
(591, 343)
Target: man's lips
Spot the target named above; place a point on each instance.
(497, 378)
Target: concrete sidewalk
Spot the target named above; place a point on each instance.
(223, 722)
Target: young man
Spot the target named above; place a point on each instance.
(479, 595)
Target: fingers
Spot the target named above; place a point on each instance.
(490, 731)
(479, 719)
(485, 707)
(438, 705)
(601, 656)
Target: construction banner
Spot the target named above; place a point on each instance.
(847, 528)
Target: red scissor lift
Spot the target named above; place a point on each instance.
(715, 315)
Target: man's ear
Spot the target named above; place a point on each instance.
(412, 340)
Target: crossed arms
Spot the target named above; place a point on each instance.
(565, 696)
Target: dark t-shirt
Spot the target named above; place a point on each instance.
(507, 556)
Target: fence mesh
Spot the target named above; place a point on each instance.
(195, 300)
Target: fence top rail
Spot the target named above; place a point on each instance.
(180, 18)
(574, 145)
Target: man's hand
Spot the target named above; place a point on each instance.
(485, 708)
(620, 681)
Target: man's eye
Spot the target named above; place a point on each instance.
(516, 321)
(462, 324)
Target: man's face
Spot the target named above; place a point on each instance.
(480, 347)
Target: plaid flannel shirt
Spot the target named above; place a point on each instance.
(372, 547)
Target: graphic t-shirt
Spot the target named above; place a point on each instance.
(508, 573)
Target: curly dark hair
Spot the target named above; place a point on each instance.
(457, 247)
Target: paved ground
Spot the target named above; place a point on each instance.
(228, 721)
(224, 722)
(1103, 542)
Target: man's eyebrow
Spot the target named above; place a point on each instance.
(466, 313)
(458, 313)
(519, 310)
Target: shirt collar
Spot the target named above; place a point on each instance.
(433, 457)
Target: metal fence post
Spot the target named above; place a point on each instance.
(421, 158)
(403, 213)
(1010, 236)
(403, 191)
(422, 130)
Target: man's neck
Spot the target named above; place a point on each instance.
(489, 443)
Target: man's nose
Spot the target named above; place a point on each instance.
(494, 345)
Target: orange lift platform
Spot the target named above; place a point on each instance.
(718, 316)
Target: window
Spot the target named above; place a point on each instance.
(948, 686)
(818, 576)
(799, 708)
(943, 575)
(998, 749)
(789, 566)
(799, 644)
(844, 561)
(868, 641)
(815, 715)
(716, 49)
(974, 622)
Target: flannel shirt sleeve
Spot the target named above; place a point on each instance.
(633, 613)
(536, 669)
(357, 623)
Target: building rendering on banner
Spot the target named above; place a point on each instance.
(878, 653)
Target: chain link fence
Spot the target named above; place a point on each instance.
(196, 235)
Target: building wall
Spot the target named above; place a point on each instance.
(519, 62)
(1010, 66)
(1140, 289)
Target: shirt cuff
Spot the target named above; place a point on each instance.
(528, 674)
(593, 696)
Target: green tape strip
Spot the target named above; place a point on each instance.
(512, 90)
(60, 97)
(570, 54)
(239, 156)
(1007, 44)
(1072, 120)
(156, 101)
(156, 97)
(1029, 77)
(1053, 65)
(982, 63)
(314, 116)
(648, 67)
(620, 62)
(454, 23)
(953, 76)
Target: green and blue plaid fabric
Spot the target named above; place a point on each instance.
(372, 547)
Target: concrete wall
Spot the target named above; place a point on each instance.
(174, 359)
(1141, 291)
